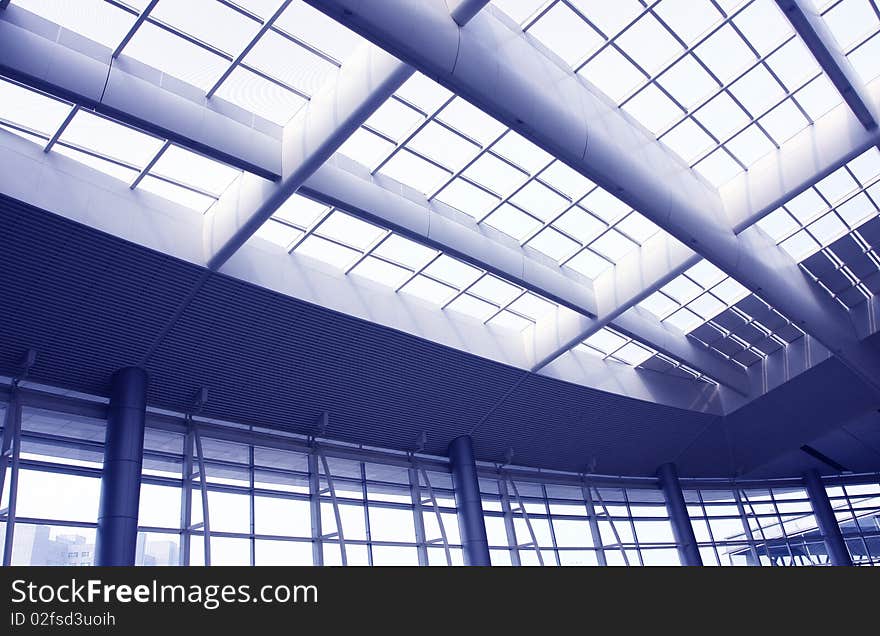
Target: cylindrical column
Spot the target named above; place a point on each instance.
(834, 543)
(467, 499)
(688, 551)
(123, 458)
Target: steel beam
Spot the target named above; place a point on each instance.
(838, 553)
(688, 550)
(495, 65)
(813, 31)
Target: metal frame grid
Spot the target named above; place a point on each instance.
(238, 58)
(137, 157)
(354, 246)
(261, 495)
(716, 310)
(429, 139)
(855, 25)
(836, 207)
(721, 83)
(857, 508)
(542, 523)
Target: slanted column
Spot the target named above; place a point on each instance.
(688, 551)
(123, 459)
(467, 500)
(834, 543)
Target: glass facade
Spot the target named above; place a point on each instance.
(279, 499)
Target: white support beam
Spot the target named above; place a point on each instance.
(496, 66)
(813, 31)
(463, 10)
(365, 81)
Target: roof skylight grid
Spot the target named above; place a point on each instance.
(715, 309)
(436, 142)
(267, 57)
(855, 25)
(614, 346)
(141, 159)
(325, 233)
(812, 226)
(720, 83)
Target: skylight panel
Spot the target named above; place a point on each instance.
(522, 152)
(687, 82)
(453, 272)
(30, 109)
(649, 44)
(613, 245)
(588, 263)
(688, 140)
(850, 20)
(685, 320)
(836, 185)
(725, 54)
(470, 121)
(610, 17)
(329, 252)
(443, 145)
(615, 75)
(208, 21)
(382, 272)
(494, 174)
(195, 170)
(750, 145)
(261, 8)
(513, 221)
(509, 320)
(633, 354)
(290, 63)
(793, 64)
(429, 290)
(93, 19)
(110, 139)
(423, 92)
(278, 233)
(474, 307)
(519, 10)
(562, 31)
(258, 95)
(637, 227)
(366, 148)
(783, 122)
(606, 341)
(763, 25)
(405, 252)
(687, 18)
(757, 90)
(539, 201)
(800, 245)
(721, 116)
(348, 230)
(177, 194)
(467, 198)
(562, 178)
(581, 225)
(175, 56)
(494, 290)
(320, 31)
(554, 244)
(394, 119)
(605, 205)
(111, 168)
(531, 306)
(301, 211)
(653, 109)
(414, 171)
(718, 168)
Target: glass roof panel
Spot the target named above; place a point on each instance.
(349, 231)
(110, 139)
(94, 19)
(107, 167)
(410, 169)
(519, 10)
(175, 56)
(316, 29)
(208, 21)
(33, 110)
(195, 170)
(177, 194)
(258, 95)
(588, 263)
(329, 252)
(290, 63)
(562, 31)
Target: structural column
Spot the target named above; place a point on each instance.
(123, 459)
(467, 500)
(688, 551)
(834, 543)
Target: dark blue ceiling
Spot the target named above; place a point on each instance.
(90, 303)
